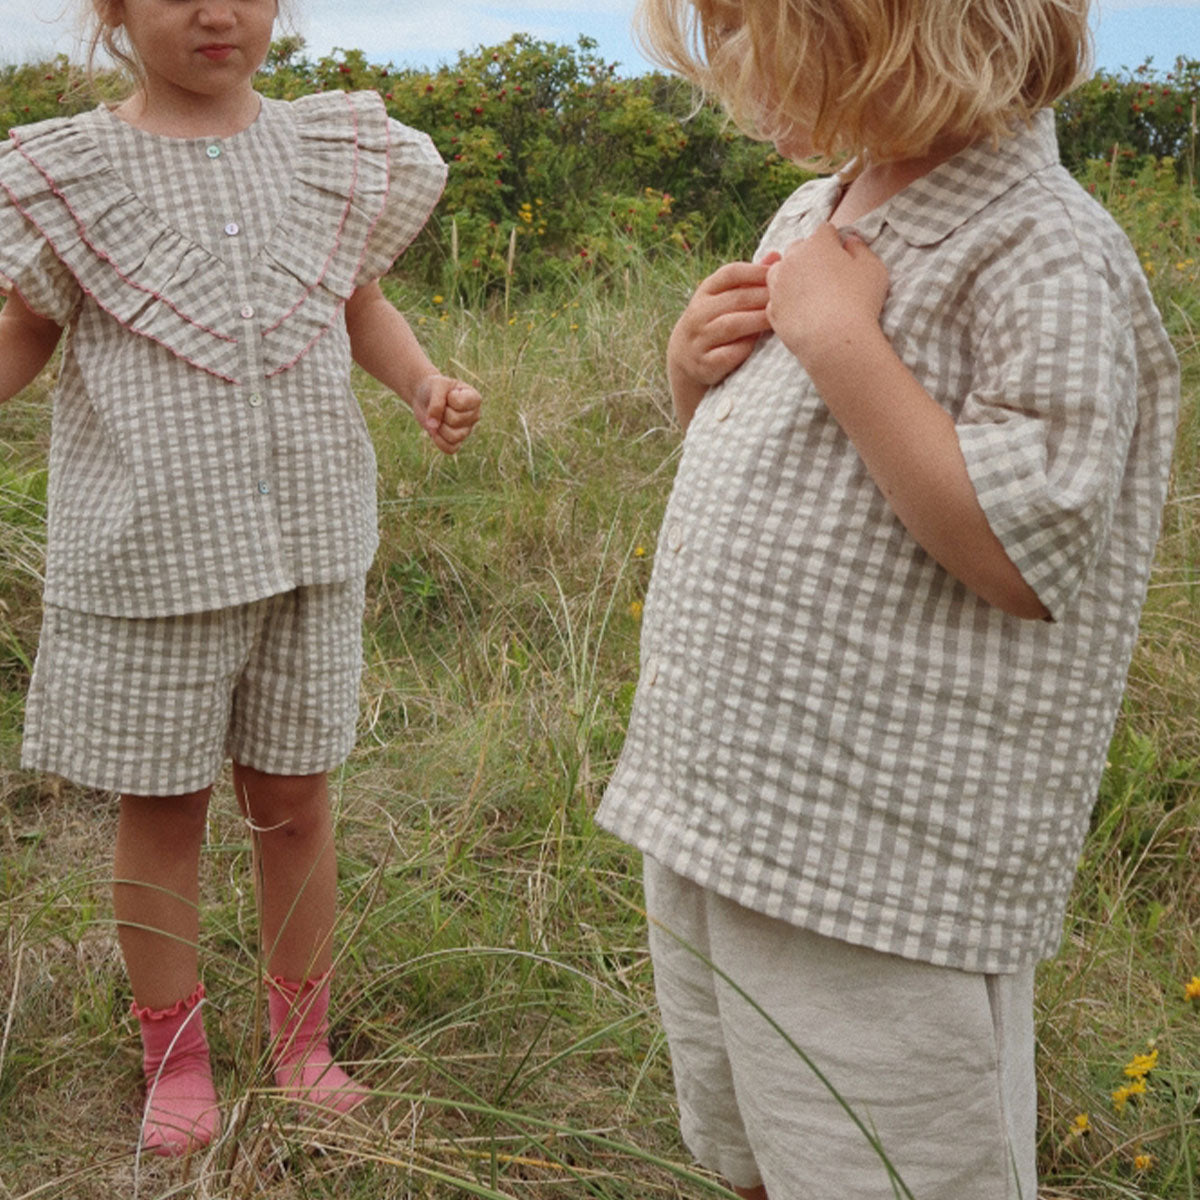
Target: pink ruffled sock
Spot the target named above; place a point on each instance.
(304, 1066)
(181, 1103)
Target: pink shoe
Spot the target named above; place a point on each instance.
(304, 1066)
(181, 1103)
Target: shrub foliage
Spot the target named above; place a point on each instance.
(558, 165)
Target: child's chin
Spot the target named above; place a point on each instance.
(793, 146)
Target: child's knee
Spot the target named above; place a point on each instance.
(288, 806)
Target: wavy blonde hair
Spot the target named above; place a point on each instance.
(875, 79)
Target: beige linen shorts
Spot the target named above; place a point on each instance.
(152, 706)
(936, 1063)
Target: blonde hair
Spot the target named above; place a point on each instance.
(100, 33)
(876, 79)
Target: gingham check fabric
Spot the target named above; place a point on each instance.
(828, 727)
(153, 706)
(206, 448)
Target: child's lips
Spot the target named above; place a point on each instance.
(217, 51)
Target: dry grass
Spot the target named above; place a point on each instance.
(494, 986)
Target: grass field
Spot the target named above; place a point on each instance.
(493, 982)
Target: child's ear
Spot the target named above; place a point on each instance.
(110, 12)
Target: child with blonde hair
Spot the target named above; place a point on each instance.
(213, 258)
(895, 595)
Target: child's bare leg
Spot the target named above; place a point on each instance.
(156, 892)
(297, 865)
(155, 899)
(298, 880)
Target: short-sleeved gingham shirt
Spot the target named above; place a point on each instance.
(206, 448)
(829, 728)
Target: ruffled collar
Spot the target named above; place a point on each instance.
(162, 285)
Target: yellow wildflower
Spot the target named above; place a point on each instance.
(439, 299)
(1191, 990)
(1081, 1124)
(639, 552)
(635, 609)
(1143, 1162)
(1124, 1094)
(1141, 1065)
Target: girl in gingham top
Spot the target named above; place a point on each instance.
(928, 434)
(213, 258)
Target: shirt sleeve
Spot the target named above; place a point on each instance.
(416, 177)
(28, 263)
(1047, 426)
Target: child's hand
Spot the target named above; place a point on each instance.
(447, 410)
(718, 329)
(823, 293)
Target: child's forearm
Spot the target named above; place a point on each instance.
(26, 343)
(910, 447)
(382, 343)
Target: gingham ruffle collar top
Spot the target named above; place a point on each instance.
(206, 448)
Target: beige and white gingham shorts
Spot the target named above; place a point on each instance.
(152, 706)
(937, 1063)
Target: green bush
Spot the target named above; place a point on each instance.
(558, 166)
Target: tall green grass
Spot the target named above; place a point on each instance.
(493, 983)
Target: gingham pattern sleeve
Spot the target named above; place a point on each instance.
(28, 263)
(416, 177)
(1046, 426)
(363, 188)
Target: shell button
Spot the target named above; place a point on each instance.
(233, 229)
(263, 487)
(213, 151)
(247, 311)
(724, 407)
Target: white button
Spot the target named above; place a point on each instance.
(255, 399)
(247, 311)
(233, 229)
(675, 536)
(725, 407)
(213, 151)
(651, 671)
(263, 486)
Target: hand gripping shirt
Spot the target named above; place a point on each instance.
(831, 729)
(206, 449)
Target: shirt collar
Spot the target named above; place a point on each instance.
(931, 208)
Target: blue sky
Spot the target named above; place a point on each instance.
(421, 33)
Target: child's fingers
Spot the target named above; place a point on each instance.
(459, 418)
(734, 326)
(734, 275)
(435, 408)
(464, 398)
